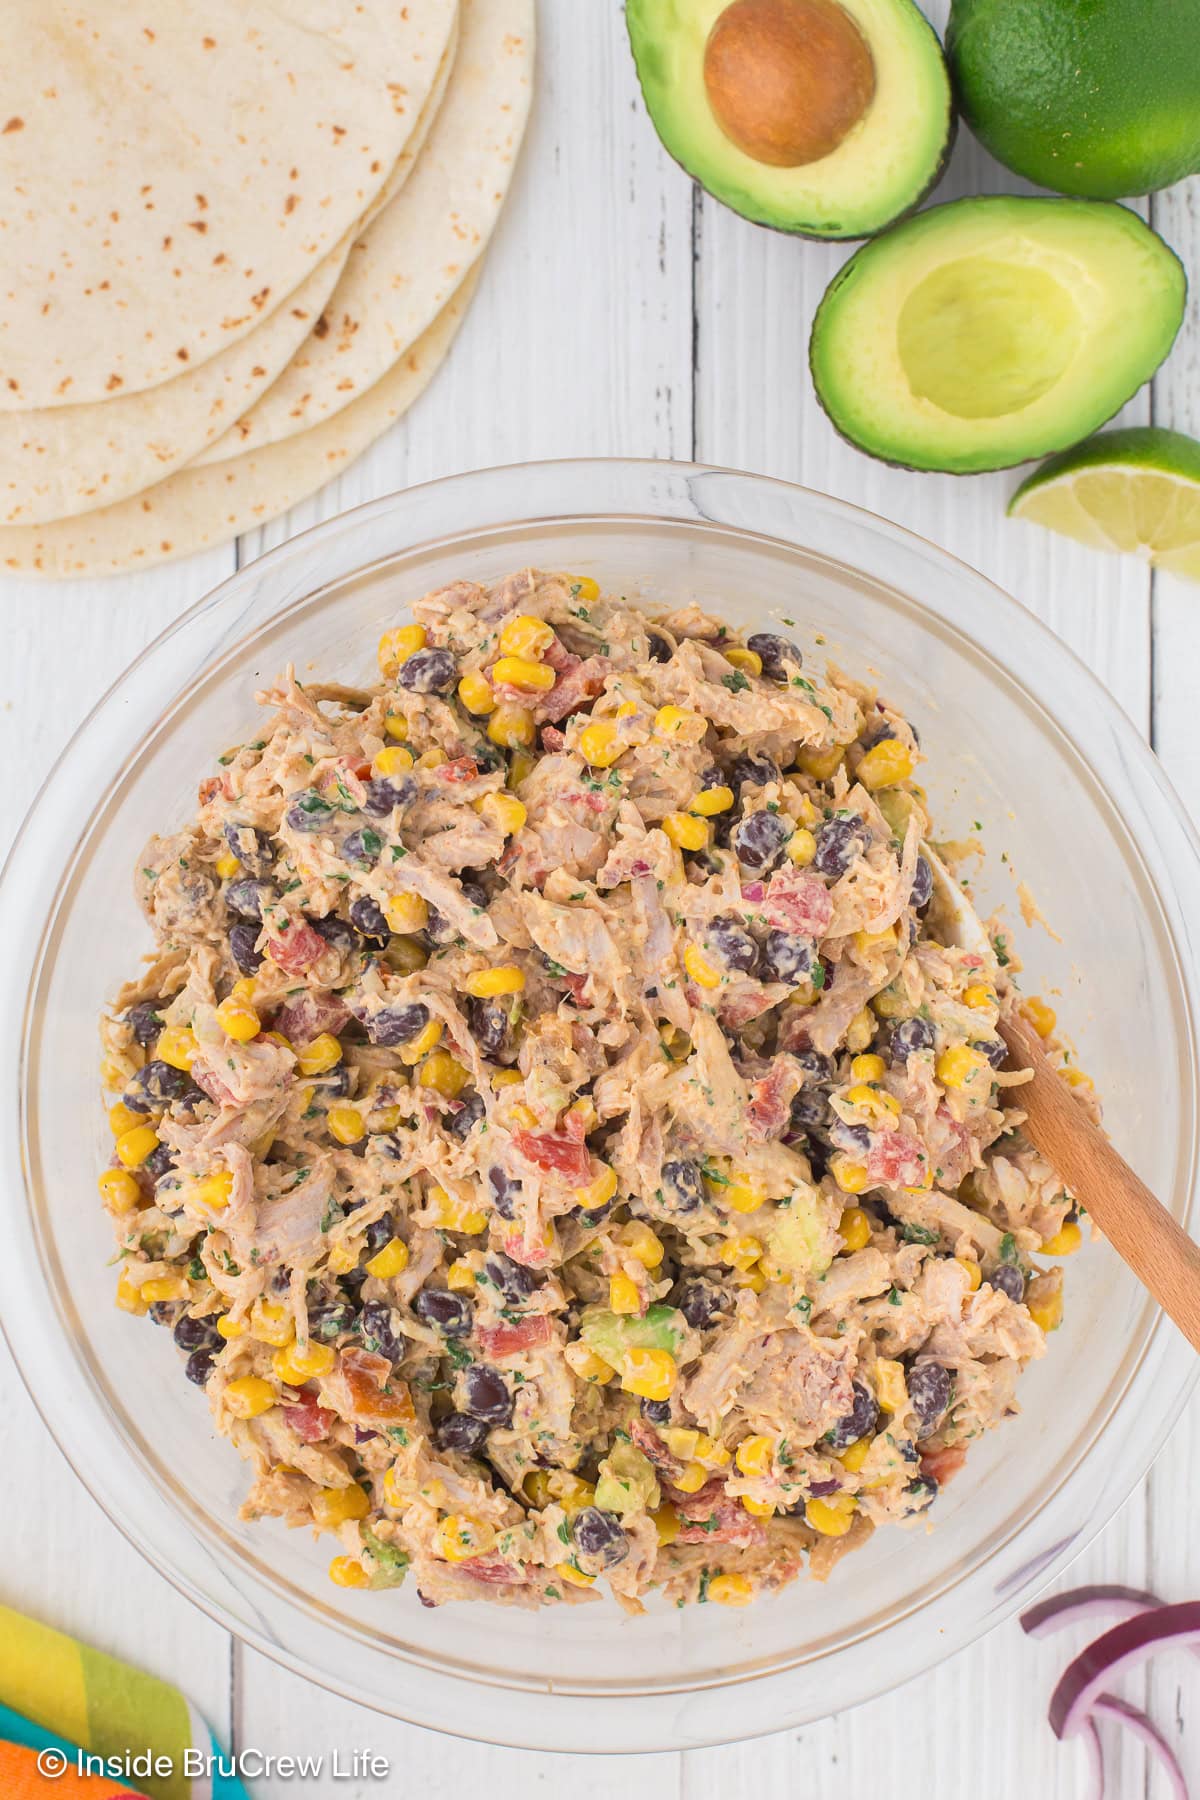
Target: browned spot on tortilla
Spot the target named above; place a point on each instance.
(15, 125)
(114, 381)
(182, 355)
(321, 328)
(209, 43)
(200, 225)
(291, 203)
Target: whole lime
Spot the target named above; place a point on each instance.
(1093, 97)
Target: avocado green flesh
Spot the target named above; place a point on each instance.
(988, 331)
(883, 167)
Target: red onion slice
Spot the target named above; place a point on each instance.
(1095, 1755)
(1123, 1647)
(1106, 1602)
(1110, 1706)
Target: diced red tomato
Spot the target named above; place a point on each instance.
(309, 1419)
(553, 739)
(797, 902)
(211, 786)
(374, 1394)
(770, 1100)
(897, 1159)
(463, 768)
(574, 985)
(944, 1464)
(505, 1340)
(577, 682)
(560, 1151)
(297, 948)
(494, 1570)
(733, 1525)
(308, 1015)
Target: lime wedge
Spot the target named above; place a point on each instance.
(1136, 489)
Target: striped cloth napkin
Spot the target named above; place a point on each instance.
(64, 1703)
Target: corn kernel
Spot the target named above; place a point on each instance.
(600, 1190)
(868, 1068)
(1043, 1018)
(526, 636)
(523, 1117)
(238, 1021)
(710, 801)
(458, 1538)
(502, 1078)
(876, 1103)
(134, 1146)
(1065, 1241)
(868, 942)
(396, 725)
(641, 1243)
(122, 1118)
(227, 865)
(686, 831)
(691, 1478)
(165, 1287)
(759, 1509)
(850, 1176)
(523, 672)
(854, 1229)
(754, 1455)
(344, 1257)
(511, 727)
(891, 1005)
(801, 847)
(294, 1366)
(345, 1124)
(476, 695)
(272, 1324)
(129, 1295)
(389, 1261)
(488, 984)
(332, 1507)
(731, 1590)
(744, 1195)
(856, 1454)
(832, 1517)
(822, 765)
(398, 645)
(971, 1270)
(452, 1214)
(599, 744)
(177, 1045)
(419, 1047)
(890, 1387)
(444, 1074)
(214, 1190)
(406, 913)
(228, 1327)
(676, 721)
(568, 1572)
(958, 1066)
(749, 661)
(588, 1366)
(121, 1192)
(884, 764)
(345, 1572)
(699, 968)
(1047, 1311)
(666, 1524)
(1076, 1078)
(753, 1278)
(584, 1110)
(504, 811)
(741, 1252)
(520, 767)
(860, 1030)
(623, 1295)
(536, 1488)
(572, 1491)
(249, 1396)
(651, 1374)
(460, 1276)
(393, 759)
(324, 1053)
(979, 996)
(586, 588)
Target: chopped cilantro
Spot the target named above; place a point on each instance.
(736, 682)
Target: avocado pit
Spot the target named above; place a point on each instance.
(787, 80)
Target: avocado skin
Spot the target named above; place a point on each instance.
(813, 235)
(847, 273)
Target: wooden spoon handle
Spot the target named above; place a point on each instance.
(1139, 1227)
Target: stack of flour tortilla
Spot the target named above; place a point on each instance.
(237, 237)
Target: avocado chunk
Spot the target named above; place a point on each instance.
(613, 1335)
(987, 331)
(821, 118)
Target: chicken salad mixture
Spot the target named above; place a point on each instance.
(554, 1125)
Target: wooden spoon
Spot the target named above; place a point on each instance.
(1136, 1224)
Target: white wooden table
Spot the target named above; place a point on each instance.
(623, 314)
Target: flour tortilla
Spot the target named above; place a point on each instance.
(408, 264)
(199, 508)
(170, 174)
(63, 460)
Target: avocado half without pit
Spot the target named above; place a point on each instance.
(816, 117)
(987, 331)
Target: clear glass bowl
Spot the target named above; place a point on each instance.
(1019, 736)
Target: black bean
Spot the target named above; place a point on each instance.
(246, 897)
(995, 1049)
(160, 1162)
(732, 943)
(385, 794)
(382, 1330)
(448, 1313)
(338, 934)
(367, 916)
(380, 1232)
(397, 1024)
(930, 1389)
(757, 770)
(922, 887)
(908, 1037)
(876, 733)
(144, 1022)
(514, 1281)
(657, 1411)
(840, 842)
(599, 1534)
(860, 1420)
(154, 1087)
(660, 649)
(308, 811)
(700, 1303)
(459, 1431)
(786, 958)
(438, 929)
(504, 1191)
(920, 1494)
(476, 894)
(329, 1319)
(854, 1139)
(1009, 1278)
(243, 941)
(163, 1312)
(682, 1185)
(334, 1084)
(807, 1112)
(428, 671)
(591, 1216)
(490, 1022)
(362, 848)
(775, 651)
(820, 1490)
(199, 1365)
(486, 1395)
(461, 1124)
(252, 848)
(758, 840)
(196, 1334)
(815, 1066)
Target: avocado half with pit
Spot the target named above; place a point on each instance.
(825, 119)
(984, 332)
